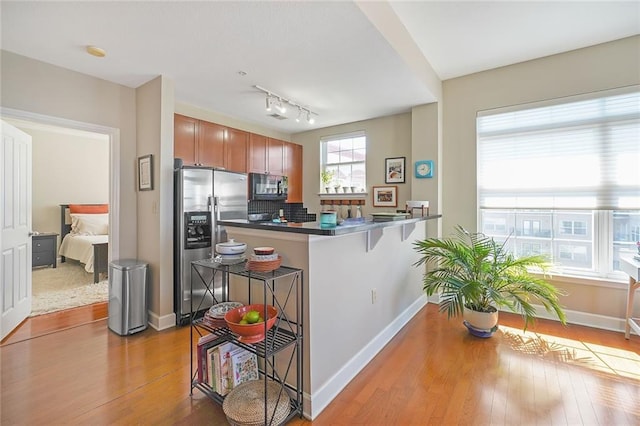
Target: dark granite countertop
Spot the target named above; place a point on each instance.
(313, 228)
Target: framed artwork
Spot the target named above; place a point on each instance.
(394, 170)
(385, 196)
(145, 173)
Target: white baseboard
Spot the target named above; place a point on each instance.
(583, 318)
(161, 323)
(335, 384)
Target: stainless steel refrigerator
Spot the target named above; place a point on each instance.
(202, 197)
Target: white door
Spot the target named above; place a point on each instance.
(15, 232)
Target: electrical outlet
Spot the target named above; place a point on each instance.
(374, 295)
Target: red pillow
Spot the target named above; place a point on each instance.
(88, 208)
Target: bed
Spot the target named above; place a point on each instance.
(84, 229)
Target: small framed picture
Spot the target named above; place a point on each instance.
(394, 170)
(385, 196)
(145, 173)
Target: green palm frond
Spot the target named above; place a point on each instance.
(473, 270)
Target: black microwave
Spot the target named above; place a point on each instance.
(267, 187)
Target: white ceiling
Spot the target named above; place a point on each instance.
(327, 56)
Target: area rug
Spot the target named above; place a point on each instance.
(67, 286)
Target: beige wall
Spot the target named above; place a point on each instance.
(40, 88)
(595, 68)
(427, 145)
(56, 170)
(154, 107)
(386, 137)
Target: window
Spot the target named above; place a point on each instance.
(530, 227)
(564, 179)
(344, 158)
(572, 227)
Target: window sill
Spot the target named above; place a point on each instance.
(590, 281)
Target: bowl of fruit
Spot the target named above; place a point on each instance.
(249, 321)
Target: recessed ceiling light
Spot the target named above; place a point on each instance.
(96, 51)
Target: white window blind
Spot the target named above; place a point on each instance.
(578, 155)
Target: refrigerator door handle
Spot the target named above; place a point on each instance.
(216, 218)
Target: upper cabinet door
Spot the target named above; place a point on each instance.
(257, 153)
(185, 139)
(293, 170)
(211, 144)
(275, 157)
(235, 147)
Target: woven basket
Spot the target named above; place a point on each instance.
(264, 266)
(244, 405)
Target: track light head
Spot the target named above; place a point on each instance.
(273, 99)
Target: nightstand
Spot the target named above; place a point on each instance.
(45, 249)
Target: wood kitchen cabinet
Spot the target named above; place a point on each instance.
(185, 138)
(266, 155)
(202, 143)
(293, 170)
(235, 150)
(257, 153)
(211, 144)
(197, 142)
(275, 156)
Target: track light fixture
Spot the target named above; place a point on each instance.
(281, 103)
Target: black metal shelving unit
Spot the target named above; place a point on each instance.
(275, 362)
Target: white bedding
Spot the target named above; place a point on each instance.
(80, 248)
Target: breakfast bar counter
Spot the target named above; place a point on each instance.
(361, 286)
(314, 228)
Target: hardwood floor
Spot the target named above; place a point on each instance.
(432, 372)
(57, 321)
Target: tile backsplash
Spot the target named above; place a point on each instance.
(293, 212)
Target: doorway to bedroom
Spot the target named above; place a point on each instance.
(68, 166)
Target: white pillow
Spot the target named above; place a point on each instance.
(90, 224)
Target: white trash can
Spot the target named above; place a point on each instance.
(128, 296)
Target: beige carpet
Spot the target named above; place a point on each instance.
(64, 287)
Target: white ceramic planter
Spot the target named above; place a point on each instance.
(481, 320)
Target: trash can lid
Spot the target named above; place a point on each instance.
(128, 264)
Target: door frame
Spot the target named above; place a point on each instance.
(114, 163)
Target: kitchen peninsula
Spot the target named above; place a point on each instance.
(360, 288)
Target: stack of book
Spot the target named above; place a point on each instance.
(224, 365)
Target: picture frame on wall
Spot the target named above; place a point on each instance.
(385, 196)
(394, 170)
(145, 173)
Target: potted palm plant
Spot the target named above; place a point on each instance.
(475, 276)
